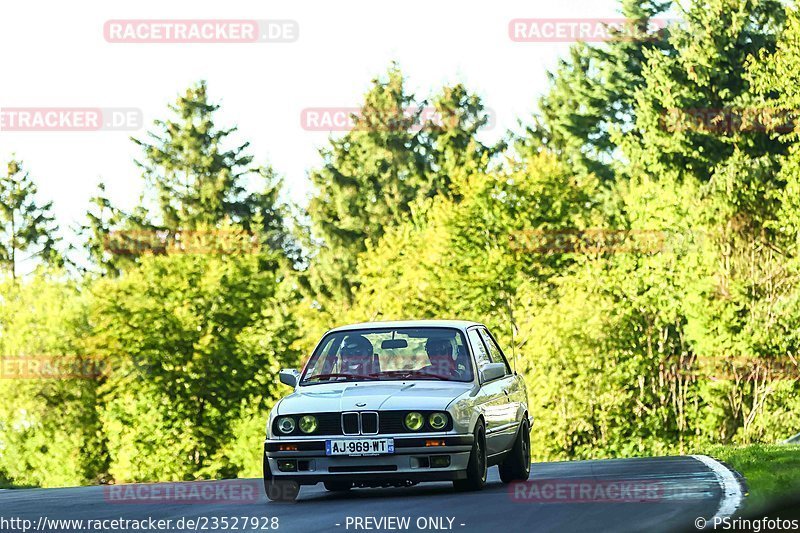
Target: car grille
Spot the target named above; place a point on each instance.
(372, 423)
(369, 423)
(392, 422)
(329, 424)
(350, 423)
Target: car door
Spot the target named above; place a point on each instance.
(492, 399)
(507, 412)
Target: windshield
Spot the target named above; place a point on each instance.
(390, 354)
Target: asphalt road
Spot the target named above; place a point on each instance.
(654, 494)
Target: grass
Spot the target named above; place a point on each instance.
(771, 471)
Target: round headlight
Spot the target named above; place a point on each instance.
(414, 421)
(438, 420)
(308, 424)
(286, 424)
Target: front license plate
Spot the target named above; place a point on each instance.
(359, 446)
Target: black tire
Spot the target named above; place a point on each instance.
(476, 468)
(337, 486)
(517, 466)
(277, 490)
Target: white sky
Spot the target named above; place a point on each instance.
(54, 55)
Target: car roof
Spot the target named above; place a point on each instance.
(456, 324)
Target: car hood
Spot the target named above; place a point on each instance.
(336, 397)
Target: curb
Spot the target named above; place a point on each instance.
(732, 494)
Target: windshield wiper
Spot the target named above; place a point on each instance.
(339, 375)
(411, 373)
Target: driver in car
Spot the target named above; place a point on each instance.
(440, 354)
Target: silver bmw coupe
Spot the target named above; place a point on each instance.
(398, 403)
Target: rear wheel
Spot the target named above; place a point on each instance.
(517, 466)
(337, 486)
(476, 468)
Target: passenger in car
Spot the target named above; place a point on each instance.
(357, 356)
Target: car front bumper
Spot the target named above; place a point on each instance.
(414, 460)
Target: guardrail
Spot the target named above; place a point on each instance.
(792, 440)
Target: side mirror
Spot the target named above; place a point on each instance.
(289, 376)
(492, 371)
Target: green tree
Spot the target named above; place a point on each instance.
(458, 117)
(114, 238)
(686, 110)
(193, 339)
(25, 224)
(368, 180)
(400, 151)
(196, 179)
(467, 256)
(591, 100)
(50, 432)
(192, 179)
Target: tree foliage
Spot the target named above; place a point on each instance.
(399, 152)
(192, 340)
(25, 224)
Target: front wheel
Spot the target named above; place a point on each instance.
(517, 466)
(476, 468)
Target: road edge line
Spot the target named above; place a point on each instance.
(731, 489)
